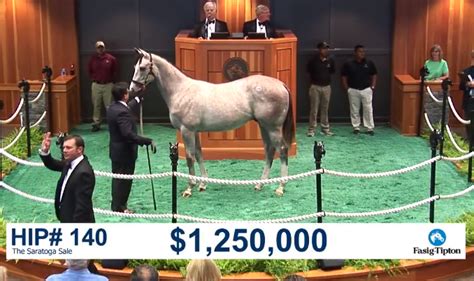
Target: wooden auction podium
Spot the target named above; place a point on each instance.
(405, 103)
(65, 102)
(209, 60)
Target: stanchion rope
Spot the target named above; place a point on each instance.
(453, 141)
(432, 96)
(253, 182)
(39, 120)
(15, 114)
(39, 94)
(280, 220)
(428, 122)
(20, 132)
(455, 113)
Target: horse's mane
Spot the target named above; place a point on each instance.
(167, 67)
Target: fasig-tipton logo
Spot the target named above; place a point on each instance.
(436, 237)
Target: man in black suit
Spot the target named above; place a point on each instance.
(73, 200)
(123, 145)
(210, 25)
(261, 24)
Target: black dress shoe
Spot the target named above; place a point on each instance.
(95, 128)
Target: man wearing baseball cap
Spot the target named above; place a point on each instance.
(320, 68)
(102, 71)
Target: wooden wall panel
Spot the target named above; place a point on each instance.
(34, 33)
(188, 60)
(217, 59)
(420, 24)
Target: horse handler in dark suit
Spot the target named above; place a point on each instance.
(73, 200)
(124, 142)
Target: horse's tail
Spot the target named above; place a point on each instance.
(288, 125)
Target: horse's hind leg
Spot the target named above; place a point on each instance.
(190, 146)
(276, 138)
(283, 168)
(269, 154)
(200, 160)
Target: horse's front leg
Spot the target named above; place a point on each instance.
(200, 160)
(189, 143)
(283, 169)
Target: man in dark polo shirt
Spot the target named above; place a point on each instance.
(359, 77)
(102, 71)
(320, 68)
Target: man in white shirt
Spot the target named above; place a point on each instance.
(73, 199)
(210, 24)
(261, 24)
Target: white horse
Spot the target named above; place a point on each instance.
(197, 106)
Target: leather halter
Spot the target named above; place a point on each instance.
(144, 83)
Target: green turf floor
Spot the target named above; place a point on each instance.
(387, 150)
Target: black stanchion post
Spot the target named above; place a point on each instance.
(48, 72)
(471, 143)
(435, 138)
(174, 187)
(445, 85)
(318, 151)
(423, 72)
(25, 86)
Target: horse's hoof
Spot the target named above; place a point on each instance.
(202, 188)
(279, 192)
(258, 187)
(187, 194)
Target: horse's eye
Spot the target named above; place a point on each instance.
(142, 68)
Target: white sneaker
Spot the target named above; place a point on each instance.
(310, 134)
(327, 133)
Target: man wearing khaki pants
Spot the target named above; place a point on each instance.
(320, 68)
(359, 77)
(102, 71)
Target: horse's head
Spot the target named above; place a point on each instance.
(143, 74)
